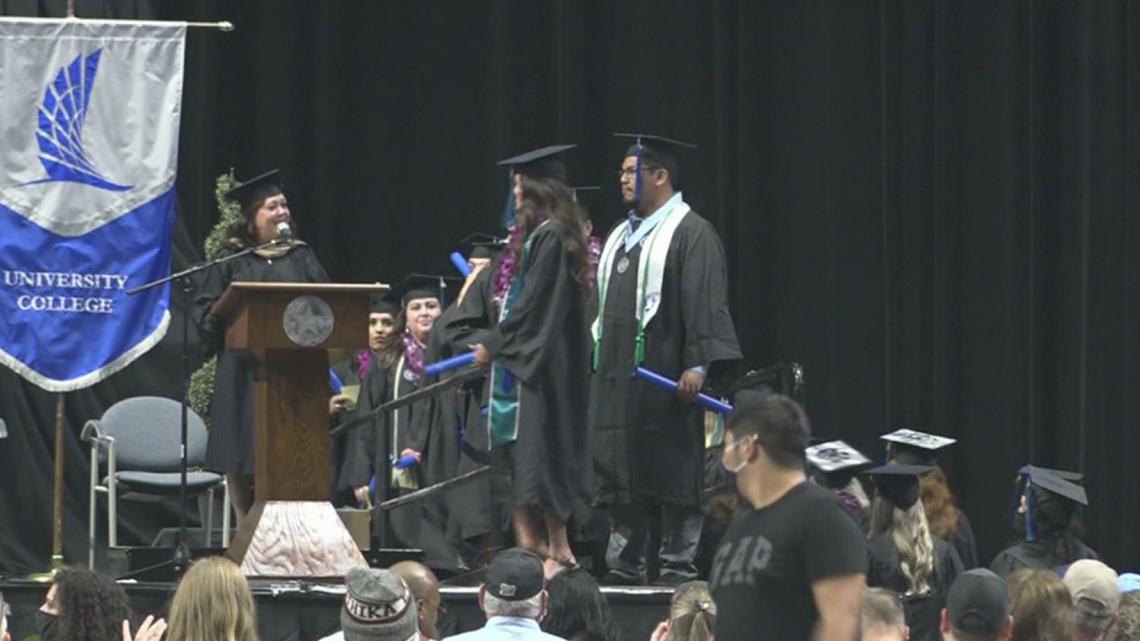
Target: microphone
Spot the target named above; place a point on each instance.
(284, 232)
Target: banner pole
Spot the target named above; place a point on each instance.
(57, 494)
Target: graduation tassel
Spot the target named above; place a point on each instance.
(597, 353)
(509, 212)
(637, 176)
(1030, 533)
(639, 347)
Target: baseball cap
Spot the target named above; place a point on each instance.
(978, 603)
(514, 575)
(378, 606)
(1092, 583)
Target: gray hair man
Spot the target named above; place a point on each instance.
(883, 617)
(513, 599)
(1096, 598)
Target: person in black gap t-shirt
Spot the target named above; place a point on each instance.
(792, 567)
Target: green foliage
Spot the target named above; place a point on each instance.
(202, 381)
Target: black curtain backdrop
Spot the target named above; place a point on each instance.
(931, 206)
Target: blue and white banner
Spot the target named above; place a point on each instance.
(89, 114)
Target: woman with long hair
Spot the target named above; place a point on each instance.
(82, 605)
(903, 555)
(946, 520)
(537, 355)
(212, 603)
(267, 227)
(1041, 606)
(578, 610)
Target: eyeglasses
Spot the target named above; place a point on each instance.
(630, 171)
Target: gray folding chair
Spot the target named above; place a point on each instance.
(139, 441)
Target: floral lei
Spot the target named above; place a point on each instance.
(413, 354)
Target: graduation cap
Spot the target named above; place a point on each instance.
(655, 151)
(415, 286)
(1051, 498)
(480, 245)
(835, 463)
(256, 189)
(543, 162)
(913, 447)
(383, 304)
(899, 483)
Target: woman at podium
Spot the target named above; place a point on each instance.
(267, 226)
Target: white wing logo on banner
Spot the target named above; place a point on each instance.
(60, 130)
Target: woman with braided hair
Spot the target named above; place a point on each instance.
(903, 555)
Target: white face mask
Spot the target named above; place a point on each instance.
(728, 448)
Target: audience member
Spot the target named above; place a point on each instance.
(793, 565)
(1049, 520)
(1096, 596)
(425, 588)
(378, 606)
(513, 599)
(82, 605)
(1041, 606)
(977, 608)
(578, 609)
(1127, 626)
(212, 603)
(692, 615)
(883, 616)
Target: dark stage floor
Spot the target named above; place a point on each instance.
(295, 611)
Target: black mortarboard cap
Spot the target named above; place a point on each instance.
(514, 574)
(1054, 482)
(384, 304)
(256, 189)
(1075, 477)
(480, 245)
(650, 149)
(541, 163)
(911, 447)
(898, 483)
(415, 286)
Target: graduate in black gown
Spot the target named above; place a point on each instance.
(1048, 521)
(834, 465)
(478, 511)
(349, 373)
(538, 355)
(946, 520)
(396, 372)
(902, 554)
(663, 304)
(265, 212)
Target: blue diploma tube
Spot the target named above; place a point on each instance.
(669, 385)
(448, 364)
(460, 263)
(334, 382)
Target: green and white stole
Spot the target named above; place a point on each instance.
(651, 272)
(503, 424)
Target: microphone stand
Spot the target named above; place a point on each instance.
(181, 558)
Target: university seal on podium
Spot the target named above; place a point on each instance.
(308, 321)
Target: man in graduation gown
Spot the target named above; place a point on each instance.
(662, 292)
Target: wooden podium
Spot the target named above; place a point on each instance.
(292, 530)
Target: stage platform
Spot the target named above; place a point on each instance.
(294, 611)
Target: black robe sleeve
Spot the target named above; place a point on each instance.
(474, 315)
(211, 285)
(519, 341)
(361, 451)
(709, 333)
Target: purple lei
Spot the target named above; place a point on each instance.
(594, 244)
(413, 354)
(363, 360)
(508, 263)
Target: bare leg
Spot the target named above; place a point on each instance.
(561, 556)
(241, 494)
(527, 532)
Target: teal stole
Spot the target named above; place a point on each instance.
(504, 421)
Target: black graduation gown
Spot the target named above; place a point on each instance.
(963, 541)
(348, 371)
(648, 445)
(230, 446)
(479, 507)
(544, 343)
(438, 426)
(923, 614)
(410, 524)
(1037, 555)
